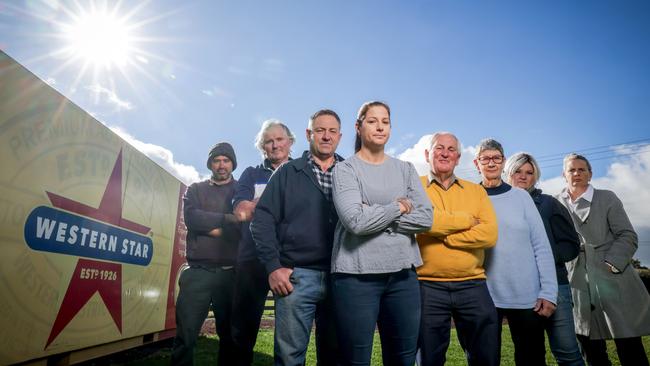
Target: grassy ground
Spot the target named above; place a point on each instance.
(206, 352)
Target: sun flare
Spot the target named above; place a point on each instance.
(102, 46)
(100, 39)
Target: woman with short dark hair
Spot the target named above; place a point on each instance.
(610, 301)
(520, 268)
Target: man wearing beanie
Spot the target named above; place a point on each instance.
(212, 237)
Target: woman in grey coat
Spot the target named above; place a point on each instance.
(610, 301)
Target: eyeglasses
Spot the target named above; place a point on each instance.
(484, 160)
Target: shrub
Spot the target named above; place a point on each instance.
(645, 277)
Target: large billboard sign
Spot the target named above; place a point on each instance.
(91, 231)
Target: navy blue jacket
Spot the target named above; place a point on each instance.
(560, 231)
(245, 191)
(294, 220)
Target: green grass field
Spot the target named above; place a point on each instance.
(206, 352)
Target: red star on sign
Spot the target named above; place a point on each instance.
(110, 208)
(92, 276)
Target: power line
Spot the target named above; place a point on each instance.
(608, 147)
(641, 146)
(603, 157)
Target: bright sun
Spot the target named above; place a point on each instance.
(100, 39)
(104, 42)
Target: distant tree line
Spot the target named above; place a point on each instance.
(644, 272)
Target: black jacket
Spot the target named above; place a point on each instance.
(205, 207)
(560, 231)
(294, 220)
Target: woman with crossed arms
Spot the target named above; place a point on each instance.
(381, 205)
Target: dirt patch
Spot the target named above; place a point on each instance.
(267, 323)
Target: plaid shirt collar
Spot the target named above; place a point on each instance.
(324, 178)
(433, 179)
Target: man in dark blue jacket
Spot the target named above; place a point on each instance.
(212, 237)
(274, 140)
(293, 229)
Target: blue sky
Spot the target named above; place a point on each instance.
(545, 77)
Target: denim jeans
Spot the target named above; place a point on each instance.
(561, 330)
(390, 301)
(200, 289)
(295, 315)
(470, 305)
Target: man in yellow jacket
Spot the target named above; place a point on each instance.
(452, 278)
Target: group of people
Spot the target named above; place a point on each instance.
(358, 244)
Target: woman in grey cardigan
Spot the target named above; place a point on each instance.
(381, 205)
(610, 301)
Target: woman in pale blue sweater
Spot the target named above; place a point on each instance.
(520, 269)
(381, 205)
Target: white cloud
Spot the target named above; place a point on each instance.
(398, 144)
(465, 168)
(110, 97)
(164, 157)
(553, 185)
(215, 91)
(415, 154)
(142, 59)
(274, 65)
(172, 76)
(272, 69)
(237, 70)
(51, 81)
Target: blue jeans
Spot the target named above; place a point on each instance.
(295, 315)
(561, 330)
(470, 305)
(389, 300)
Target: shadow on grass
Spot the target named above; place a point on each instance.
(159, 353)
(208, 347)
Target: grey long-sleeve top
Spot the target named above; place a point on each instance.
(371, 235)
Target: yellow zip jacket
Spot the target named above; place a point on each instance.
(454, 247)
